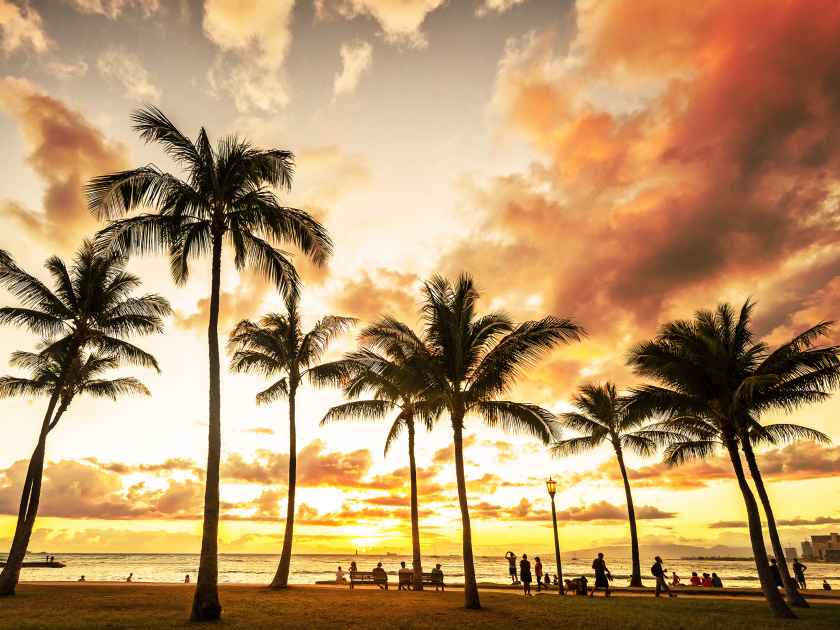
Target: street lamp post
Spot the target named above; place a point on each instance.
(552, 488)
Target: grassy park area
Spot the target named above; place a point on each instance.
(150, 606)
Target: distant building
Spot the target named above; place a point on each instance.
(790, 552)
(825, 547)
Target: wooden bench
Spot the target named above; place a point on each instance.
(367, 577)
(429, 579)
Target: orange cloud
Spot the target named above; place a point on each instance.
(65, 152)
(802, 460)
(682, 158)
(384, 292)
(601, 511)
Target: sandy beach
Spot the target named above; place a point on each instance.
(155, 605)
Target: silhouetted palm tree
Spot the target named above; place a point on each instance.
(796, 373)
(226, 197)
(396, 386)
(469, 362)
(603, 417)
(277, 348)
(715, 381)
(90, 310)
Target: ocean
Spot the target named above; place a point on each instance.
(309, 568)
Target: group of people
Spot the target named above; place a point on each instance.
(381, 576)
(525, 576)
(712, 580)
(798, 575)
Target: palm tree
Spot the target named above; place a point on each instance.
(469, 361)
(226, 197)
(603, 417)
(796, 373)
(277, 348)
(90, 310)
(396, 385)
(715, 381)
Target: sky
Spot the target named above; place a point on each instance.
(621, 164)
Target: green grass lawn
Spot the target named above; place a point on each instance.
(152, 606)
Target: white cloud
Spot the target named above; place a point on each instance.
(126, 69)
(356, 58)
(20, 27)
(497, 6)
(255, 40)
(113, 8)
(400, 20)
(67, 70)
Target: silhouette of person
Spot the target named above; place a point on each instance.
(511, 558)
(602, 575)
(525, 574)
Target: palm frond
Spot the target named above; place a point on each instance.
(516, 417)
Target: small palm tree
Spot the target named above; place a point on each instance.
(603, 417)
(226, 198)
(397, 386)
(277, 348)
(469, 362)
(91, 310)
(715, 381)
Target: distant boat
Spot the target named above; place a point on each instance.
(39, 565)
(391, 554)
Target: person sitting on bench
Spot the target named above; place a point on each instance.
(379, 575)
(437, 576)
(405, 575)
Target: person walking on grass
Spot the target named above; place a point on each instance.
(602, 576)
(538, 573)
(659, 573)
(525, 574)
(799, 573)
(511, 558)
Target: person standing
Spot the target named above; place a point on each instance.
(511, 558)
(538, 573)
(799, 573)
(525, 574)
(602, 576)
(659, 573)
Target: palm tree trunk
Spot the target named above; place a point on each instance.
(636, 573)
(206, 605)
(30, 498)
(470, 586)
(794, 597)
(415, 517)
(281, 577)
(777, 604)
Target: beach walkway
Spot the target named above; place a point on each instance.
(152, 606)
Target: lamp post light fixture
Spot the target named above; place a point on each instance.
(551, 485)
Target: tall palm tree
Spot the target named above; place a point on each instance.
(92, 309)
(227, 197)
(470, 361)
(603, 417)
(714, 381)
(796, 373)
(396, 386)
(277, 348)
